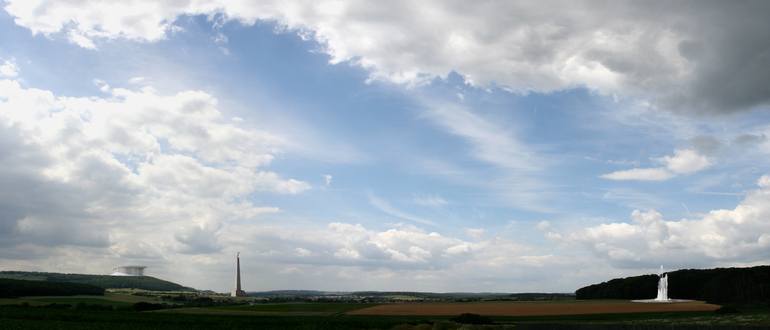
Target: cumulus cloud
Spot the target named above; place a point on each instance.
(719, 236)
(164, 180)
(391, 257)
(135, 169)
(682, 162)
(397, 247)
(476, 233)
(85, 21)
(685, 161)
(704, 57)
(8, 69)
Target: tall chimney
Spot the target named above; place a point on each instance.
(238, 292)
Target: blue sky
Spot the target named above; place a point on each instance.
(336, 151)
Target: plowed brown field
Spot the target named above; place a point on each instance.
(531, 308)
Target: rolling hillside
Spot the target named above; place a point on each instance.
(103, 281)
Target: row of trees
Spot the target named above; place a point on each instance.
(720, 285)
(20, 288)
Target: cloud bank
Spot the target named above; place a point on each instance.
(165, 180)
(739, 235)
(696, 56)
(133, 171)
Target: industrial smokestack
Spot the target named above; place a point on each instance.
(238, 292)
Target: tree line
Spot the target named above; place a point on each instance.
(103, 281)
(20, 288)
(719, 285)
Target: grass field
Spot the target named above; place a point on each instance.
(13, 317)
(351, 316)
(326, 308)
(286, 309)
(531, 308)
(117, 300)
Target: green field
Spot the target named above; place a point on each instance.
(117, 300)
(45, 318)
(324, 316)
(327, 308)
(12, 318)
(275, 309)
(78, 300)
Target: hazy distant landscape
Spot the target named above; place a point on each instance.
(30, 300)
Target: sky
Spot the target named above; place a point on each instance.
(506, 146)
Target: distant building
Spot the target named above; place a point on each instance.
(238, 292)
(128, 271)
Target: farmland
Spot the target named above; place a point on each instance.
(325, 308)
(285, 309)
(51, 312)
(531, 308)
(130, 308)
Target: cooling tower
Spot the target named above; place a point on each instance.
(128, 271)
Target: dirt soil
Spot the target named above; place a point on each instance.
(531, 308)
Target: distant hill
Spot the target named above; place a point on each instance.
(102, 281)
(719, 285)
(11, 288)
(406, 295)
(470, 295)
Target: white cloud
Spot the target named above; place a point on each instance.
(640, 174)
(682, 162)
(429, 200)
(85, 21)
(543, 225)
(389, 209)
(353, 244)
(686, 162)
(764, 181)
(476, 233)
(78, 38)
(150, 175)
(8, 69)
(521, 169)
(394, 257)
(402, 247)
(677, 55)
(270, 181)
(302, 252)
(166, 221)
(718, 237)
(136, 80)
(491, 142)
(103, 86)
(327, 179)
(142, 174)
